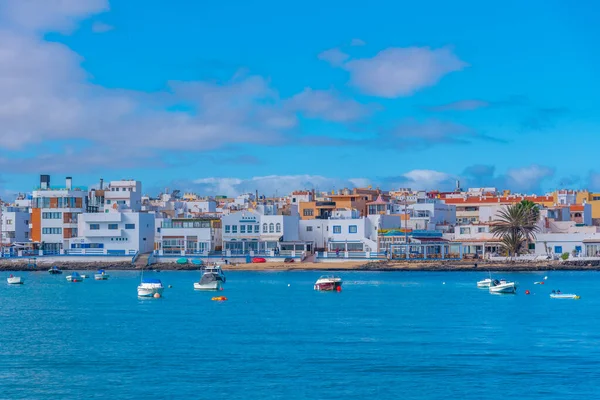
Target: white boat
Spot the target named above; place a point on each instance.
(84, 276)
(150, 287)
(558, 295)
(101, 275)
(212, 278)
(502, 286)
(74, 277)
(484, 283)
(14, 280)
(329, 283)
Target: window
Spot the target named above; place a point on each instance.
(94, 227)
(242, 228)
(129, 226)
(309, 229)
(465, 231)
(264, 228)
(481, 229)
(271, 227)
(308, 212)
(557, 249)
(256, 228)
(249, 228)
(107, 201)
(227, 228)
(113, 226)
(337, 229)
(233, 228)
(9, 222)
(352, 229)
(278, 227)
(52, 231)
(51, 215)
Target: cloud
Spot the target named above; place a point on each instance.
(357, 42)
(328, 105)
(269, 185)
(397, 72)
(334, 56)
(38, 15)
(526, 179)
(461, 105)
(101, 27)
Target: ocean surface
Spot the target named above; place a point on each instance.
(387, 335)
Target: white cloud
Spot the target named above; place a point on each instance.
(334, 56)
(36, 15)
(101, 27)
(396, 72)
(527, 178)
(357, 42)
(427, 179)
(328, 105)
(272, 184)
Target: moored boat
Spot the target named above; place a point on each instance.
(484, 283)
(150, 287)
(502, 286)
(212, 278)
(54, 270)
(101, 275)
(328, 283)
(14, 280)
(74, 277)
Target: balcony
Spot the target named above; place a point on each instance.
(102, 232)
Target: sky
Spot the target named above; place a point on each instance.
(237, 96)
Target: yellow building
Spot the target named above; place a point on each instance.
(593, 199)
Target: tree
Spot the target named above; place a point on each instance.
(516, 226)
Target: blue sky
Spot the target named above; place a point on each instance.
(223, 97)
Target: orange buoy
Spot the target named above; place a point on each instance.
(527, 292)
(219, 298)
(157, 295)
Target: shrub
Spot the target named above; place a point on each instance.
(565, 256)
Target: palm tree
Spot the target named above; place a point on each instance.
(516, 225)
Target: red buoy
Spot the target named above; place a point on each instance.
(527, 292)
(542, 282)
(339, 289)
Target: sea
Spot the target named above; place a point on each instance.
(386, 335)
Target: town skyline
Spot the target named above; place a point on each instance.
(417, 96)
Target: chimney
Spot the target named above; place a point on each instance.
(69, 183)
(101, 184)
(45, 182)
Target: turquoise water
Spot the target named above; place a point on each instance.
(389, 335)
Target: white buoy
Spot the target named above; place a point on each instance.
(288, 285)
(545, 277)
(443, 283)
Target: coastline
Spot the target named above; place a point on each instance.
(388, 266)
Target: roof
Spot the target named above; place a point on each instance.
(497, 199)
(379, 200)
(577, 207)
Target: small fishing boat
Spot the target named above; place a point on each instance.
(328, 283)
(74, 277)
(559, 295)
(182, 261)
(54, 270)
(484, 283)
(85, 276)
(197, 261)
(212, 279)
(101, 275)
(14, 280)
(150, 287)
(502, 286)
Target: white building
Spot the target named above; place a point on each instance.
(123, 194)
(246, 231)
(14, 225)
(114, 233)
(579, 244)
(202, 206)
(54, 212)
(347, 231)
(189, 236)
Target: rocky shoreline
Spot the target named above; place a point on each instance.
(594, 265)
